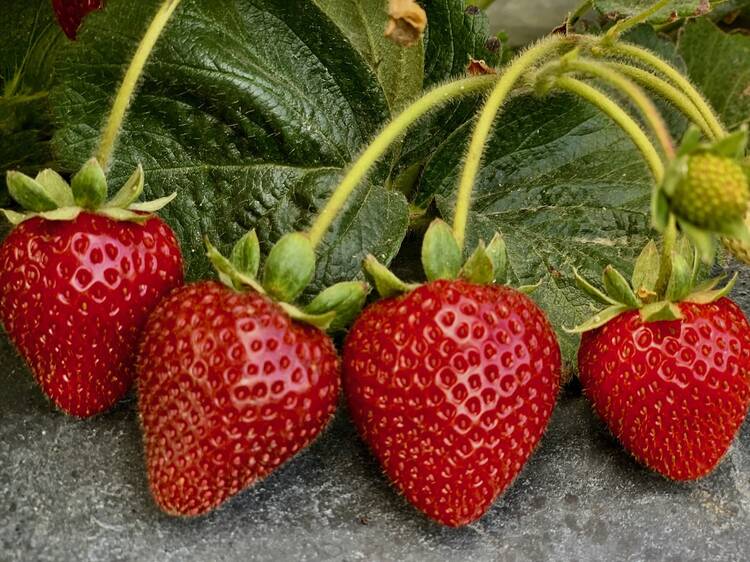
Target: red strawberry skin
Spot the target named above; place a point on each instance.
(229, 388)
(673, 392)
(75, 296)
(70, 13)
(452, 386)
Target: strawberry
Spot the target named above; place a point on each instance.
(232, 380)
(77, 286)
(674, 392)
(452, 383)
(667, 365)
(70, 13)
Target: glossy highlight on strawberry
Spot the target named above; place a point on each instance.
(229, 388)
(74, 297)
(673, 392)
(452, 386)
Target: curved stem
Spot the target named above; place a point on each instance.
(578, 13)
(130, 81)
(666, 91)
(636, 95)
(622, 26)
(647, 57)
(619, 116)
(484, 125)
(383, 141)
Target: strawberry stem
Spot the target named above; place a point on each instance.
(392, 132)
(619, 116)
(616, 31)
(125, 94)
(645, 56)
(666, 91)
(482, 130)
(636, 95)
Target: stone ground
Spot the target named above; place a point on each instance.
(76, 491)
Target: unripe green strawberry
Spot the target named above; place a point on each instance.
(714, 192)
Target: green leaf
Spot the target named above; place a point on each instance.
(248, 109)
(719, 63)
(400, 70)
(566, 188)
(29, 43)
(674, 10)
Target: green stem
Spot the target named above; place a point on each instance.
(619, 116)
(647, 57)
(393, 131)
(665, 264)
(636, 95)
(616, 31)
(130, 81)
(484, 125)
(578, 13)
(666, 91)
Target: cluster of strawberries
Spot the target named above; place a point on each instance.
(451, 382)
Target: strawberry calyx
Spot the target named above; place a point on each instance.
(50, 197)
(288, 270)
(442, 258)
(643, 293)
(706, 188)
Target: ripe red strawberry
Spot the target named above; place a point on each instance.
(74, 297)
(229, 388)
(70, 13)
(674, 392)
(452, 386)
(79, 276)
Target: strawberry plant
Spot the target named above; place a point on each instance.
(335, 134)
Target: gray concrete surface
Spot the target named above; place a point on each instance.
(76, 491)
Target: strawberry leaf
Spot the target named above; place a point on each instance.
(249, 110)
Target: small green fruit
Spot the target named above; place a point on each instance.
(714, 192)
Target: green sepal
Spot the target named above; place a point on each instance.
(479, 268)
(599, 319)
(124, 215)
(618, 288)
(680, 280)
(709, 284)
(345, 299)
(658, 311)
(529, 289)
(675, 174)
(29, 193)
(290, 267)
(703, 241)
(90, 185)
(690, 254)
(646, 269)
(153, 206)
(62, 214)
(321, 321)
(592, 291)
(691, 140)
(441, 256)
(228, 273)
(130, 192)
(498, 253)
(733, 146)
(56, 187)
(709, 296)
(13, 217)
(246, 254)
(735, 230)
(384, 280)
